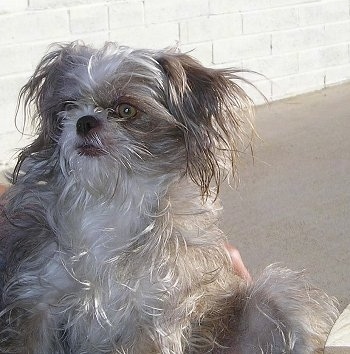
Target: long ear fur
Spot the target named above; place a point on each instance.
(214, 112)
(40, 98)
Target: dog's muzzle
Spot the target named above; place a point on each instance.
(86, 126)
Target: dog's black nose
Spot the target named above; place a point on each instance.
(85, 124)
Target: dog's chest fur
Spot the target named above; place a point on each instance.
(117, 263)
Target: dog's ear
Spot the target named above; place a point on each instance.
(41, 98)
(212, 110)
(43, 93)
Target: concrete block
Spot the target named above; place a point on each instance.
(10, 142)
(323, 12)
(259, 91)
(277, 3)
(337, 74)
(49, 4)
(229, 6)
(9, 89)
(9, 145)
(270, 20)
(297, 84)
(34, 25)
(15, 59)
(37, 50)
(274, 66)
(234, 49)
(7, 6)
(158, 11)
(257, 87)
(152, 36)
(337, 32)
(297, 39)
(209, 28)
(87, 19)
(201, 51)
(339, 339)
(97, 39)
(126, 14)
(323, 57)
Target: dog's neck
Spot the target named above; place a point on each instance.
(138, 212)
(110, 218)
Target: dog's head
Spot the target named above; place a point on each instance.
(143, 112)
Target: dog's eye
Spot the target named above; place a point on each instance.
(69, 105)
(126, 111)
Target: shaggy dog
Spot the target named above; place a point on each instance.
(108, 237)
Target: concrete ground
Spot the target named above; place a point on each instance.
(293, 203)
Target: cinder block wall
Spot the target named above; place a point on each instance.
(299, 45)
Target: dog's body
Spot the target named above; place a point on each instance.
(109, 237)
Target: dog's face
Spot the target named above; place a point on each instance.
(143, 112)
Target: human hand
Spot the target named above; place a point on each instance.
(237, 263)
(2, 188)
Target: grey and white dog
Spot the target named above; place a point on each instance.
(108, 237)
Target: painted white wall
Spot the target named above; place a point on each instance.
(298, 45)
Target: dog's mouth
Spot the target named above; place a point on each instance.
(90, 150)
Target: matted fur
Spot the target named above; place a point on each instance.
(108, 237)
